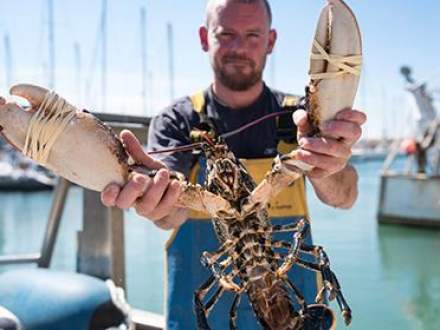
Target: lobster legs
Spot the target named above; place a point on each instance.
(225, 268)
(279, 177)
(202, 310)
(331, 284)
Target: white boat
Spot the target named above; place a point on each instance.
(411, 196)
(369, 154)
(20, 174)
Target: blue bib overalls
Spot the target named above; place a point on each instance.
(185, 274)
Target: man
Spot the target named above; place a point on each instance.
(237, 36)
(424, 116)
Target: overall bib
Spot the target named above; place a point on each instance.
(185, 274)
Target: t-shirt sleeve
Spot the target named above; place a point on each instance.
(170, 129)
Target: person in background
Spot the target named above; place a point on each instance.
(425, 121)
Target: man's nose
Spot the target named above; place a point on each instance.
(238, 44)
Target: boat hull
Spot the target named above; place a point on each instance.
(409, 200)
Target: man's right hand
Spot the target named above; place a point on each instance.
(153, 198)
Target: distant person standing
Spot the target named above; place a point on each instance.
(424, 116)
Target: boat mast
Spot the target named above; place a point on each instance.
(78, 67)
(384, 114)
(51, 38)
(104, 55)
(144, 59)
(170, 59)
(8, 61)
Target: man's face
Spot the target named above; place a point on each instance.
(238, 40)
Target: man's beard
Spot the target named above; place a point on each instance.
(238, 81)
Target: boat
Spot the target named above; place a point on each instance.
(410, 195)
(19, 174)
(370, 151)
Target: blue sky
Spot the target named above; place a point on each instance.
(394, 33)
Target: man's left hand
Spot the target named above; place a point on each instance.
(330, 152)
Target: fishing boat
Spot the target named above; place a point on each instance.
(410, 195)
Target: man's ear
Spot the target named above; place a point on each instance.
(203, 35)
(272, 41)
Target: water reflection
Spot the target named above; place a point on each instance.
(411, 266)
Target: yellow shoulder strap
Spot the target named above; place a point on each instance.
(198, 101)
(289, 101)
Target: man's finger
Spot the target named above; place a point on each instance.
(175, 219)
(349, 131)
(132, 190)
(134, 148)
(300, 118)
(324, 162)
(354, 116)
(326, 146)
(167, 202)
(151, 198)
(2, 101)
(110, 194)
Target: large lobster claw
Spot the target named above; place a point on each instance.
(82, 149)
(335, 66)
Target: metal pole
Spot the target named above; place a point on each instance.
(171, 58)
(104, 55)
(56, 212)
(8, 61)
(101, 242)
(144, 59)
(77, 52)
(51, 45)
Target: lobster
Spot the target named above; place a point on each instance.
(249, 253)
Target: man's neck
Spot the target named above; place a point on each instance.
(237, 99)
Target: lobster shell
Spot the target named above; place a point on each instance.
(338, 33)
(88, 153)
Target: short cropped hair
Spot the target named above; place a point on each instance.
(265, 2)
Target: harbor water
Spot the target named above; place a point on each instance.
(390, 275)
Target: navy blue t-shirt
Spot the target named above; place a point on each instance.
(172, 127)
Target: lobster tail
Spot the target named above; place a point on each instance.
(272, 305)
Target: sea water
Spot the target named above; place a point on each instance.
(390, 275)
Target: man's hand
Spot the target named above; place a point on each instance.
(153, 198)
(329, 153)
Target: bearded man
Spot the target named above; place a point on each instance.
(237, 36)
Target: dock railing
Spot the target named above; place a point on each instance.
(101, 241)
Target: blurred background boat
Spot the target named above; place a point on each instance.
(18, 173)
(411, 196)
(372, 150)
